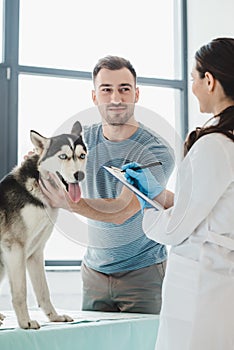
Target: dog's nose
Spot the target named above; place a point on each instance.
(79, 175)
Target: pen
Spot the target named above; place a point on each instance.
(140, 166)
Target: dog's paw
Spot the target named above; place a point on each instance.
(30, 324)
(1, 318)
(61, 318)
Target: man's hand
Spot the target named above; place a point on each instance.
(30, 154)
(57, 196)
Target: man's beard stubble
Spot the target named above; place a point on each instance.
(113, 115)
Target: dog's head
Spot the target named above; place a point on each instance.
(63, 155)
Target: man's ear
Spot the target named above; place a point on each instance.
(210, 80)
(137, 95)
(94, 97)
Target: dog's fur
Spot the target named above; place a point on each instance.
(26, 219)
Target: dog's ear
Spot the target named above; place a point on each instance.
(76, 129)
(38, 141)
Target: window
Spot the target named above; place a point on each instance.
(59, 44)
(73, 35)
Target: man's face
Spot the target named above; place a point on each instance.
(115, 95)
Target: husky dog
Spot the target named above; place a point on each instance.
(26, 219)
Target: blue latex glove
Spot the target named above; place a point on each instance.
(143, 204)
(144, 181)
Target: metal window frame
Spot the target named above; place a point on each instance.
(10, 70)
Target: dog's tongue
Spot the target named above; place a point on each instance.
(74, 192)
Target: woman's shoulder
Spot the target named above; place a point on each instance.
(214, 148)
(214, 139)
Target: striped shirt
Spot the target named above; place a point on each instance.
(115, 248)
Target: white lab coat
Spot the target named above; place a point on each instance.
(198, 291)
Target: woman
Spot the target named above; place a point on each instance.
(198, 291)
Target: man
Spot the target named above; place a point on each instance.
(122, 269)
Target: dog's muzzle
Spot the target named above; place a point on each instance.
(73, 188)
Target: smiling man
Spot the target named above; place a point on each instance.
(115, 100)
(122, 269)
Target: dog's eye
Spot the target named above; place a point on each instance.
(63, 156)
(83, 155)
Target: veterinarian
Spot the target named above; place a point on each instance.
(122, 270)
(198, 309)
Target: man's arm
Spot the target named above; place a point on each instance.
(114, 210)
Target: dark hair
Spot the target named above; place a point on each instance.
(217, 58)
(113, 63)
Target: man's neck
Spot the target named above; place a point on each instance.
(117, 133)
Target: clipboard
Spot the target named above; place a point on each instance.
(118, 174)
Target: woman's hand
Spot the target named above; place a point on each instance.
(143, 180)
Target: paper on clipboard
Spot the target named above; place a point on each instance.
(118, 174)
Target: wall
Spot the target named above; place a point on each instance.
(207, 19)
